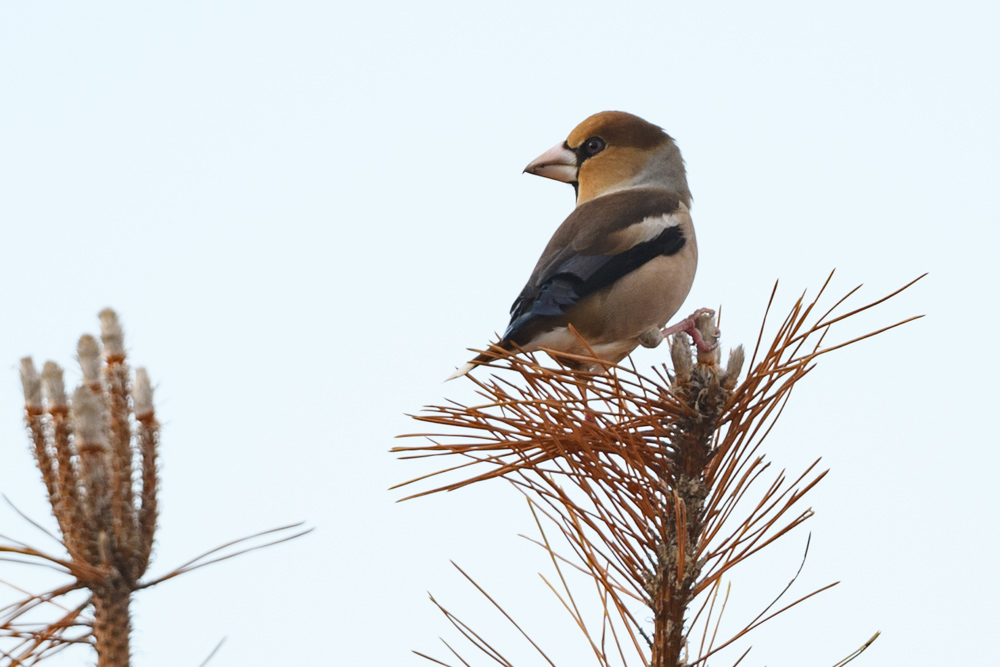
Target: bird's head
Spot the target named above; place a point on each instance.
(612, 151)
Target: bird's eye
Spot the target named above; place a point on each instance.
(593, 146)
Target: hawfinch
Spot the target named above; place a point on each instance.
(620, 266)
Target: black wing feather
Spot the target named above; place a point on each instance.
(580, 275)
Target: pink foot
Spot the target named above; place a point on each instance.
(689, 325)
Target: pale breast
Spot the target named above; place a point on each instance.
(645, 298)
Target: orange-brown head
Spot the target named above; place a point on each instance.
(612, 151)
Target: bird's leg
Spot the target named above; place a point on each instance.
(689, 326)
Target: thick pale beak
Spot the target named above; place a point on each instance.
(558, 163)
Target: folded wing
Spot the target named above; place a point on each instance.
(600, 242)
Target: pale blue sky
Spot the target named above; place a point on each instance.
(305, 212)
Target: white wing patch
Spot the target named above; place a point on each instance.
(651, 227)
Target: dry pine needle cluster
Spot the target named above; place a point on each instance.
(97, 451)
(657, 484)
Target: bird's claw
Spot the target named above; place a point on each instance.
(689, 325)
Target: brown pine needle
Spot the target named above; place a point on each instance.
(862, 649)
(193, 564)
(502, 611)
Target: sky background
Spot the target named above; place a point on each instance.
(306, 212)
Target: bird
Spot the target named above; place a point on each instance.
(622, 263)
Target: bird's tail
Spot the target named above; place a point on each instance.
(495, 352)
(461, 370)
